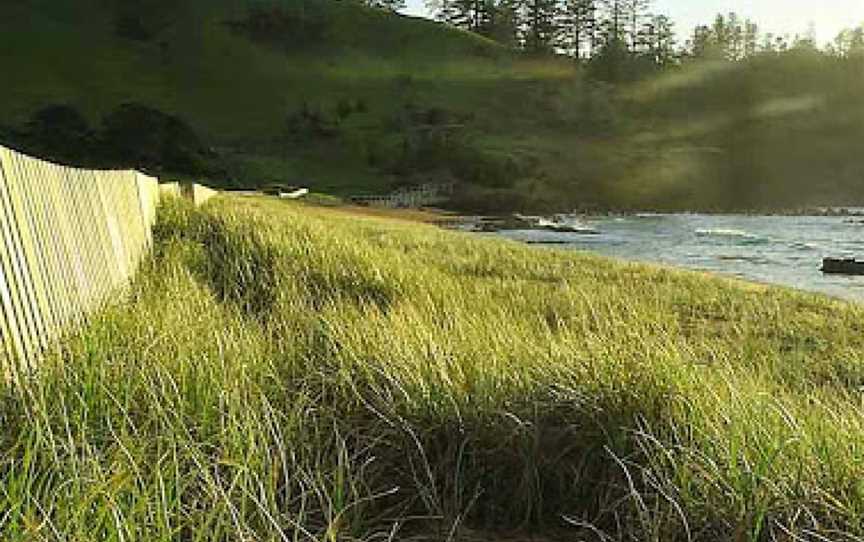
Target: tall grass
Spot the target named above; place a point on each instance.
(285, 373)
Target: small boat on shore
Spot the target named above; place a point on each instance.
(842, 266)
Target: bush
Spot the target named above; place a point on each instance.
(60, 133)
(297, 24)
(458, 157)
(311, 121)
(435, 139)
(135, 135)
(142, 20)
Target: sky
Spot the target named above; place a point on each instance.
(776, 16)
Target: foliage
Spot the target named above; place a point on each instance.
(59, 133)
(300, 24)
(142, 20)
(135, 135)
(312, 120)
(132, 136)
(439, 141)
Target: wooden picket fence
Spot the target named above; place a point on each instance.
(69, 238)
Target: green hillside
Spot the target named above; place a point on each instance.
(347, 99)
(239, 91)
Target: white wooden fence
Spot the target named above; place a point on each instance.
(68, 239)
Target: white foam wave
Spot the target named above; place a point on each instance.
(725, 232)
(802, 245)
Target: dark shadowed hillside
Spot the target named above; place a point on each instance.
(348, 99)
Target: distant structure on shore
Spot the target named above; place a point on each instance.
(424, 195)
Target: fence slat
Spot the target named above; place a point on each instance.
(69, 238)
(15, 262)
(12, 349)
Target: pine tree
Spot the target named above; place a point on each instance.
(719, 38)
(807, 42)
(636, 11)
(701, 42)
(576, 27)
(539, 25)
(387, 5)
(660, 40)
(735, 47)
(611, 59)
(471, 15)
(849, 43)
(504, 25)
(751, 39)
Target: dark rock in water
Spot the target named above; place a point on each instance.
(843, 266)
(488, 227)
(558, 224)
(493, 224)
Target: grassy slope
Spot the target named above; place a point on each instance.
(238, 93)
(284, 372)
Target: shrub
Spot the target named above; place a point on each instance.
(142, 20)
(136, 135)
(311, 121)
(301, 23)
(60, 132)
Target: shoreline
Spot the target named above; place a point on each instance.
(463, 223)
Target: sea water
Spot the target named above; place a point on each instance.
(785, 250)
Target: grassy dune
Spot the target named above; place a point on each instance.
(281, 372)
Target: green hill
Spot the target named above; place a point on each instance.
(240, 87)
(347, 100)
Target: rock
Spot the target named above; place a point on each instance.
(842, 266)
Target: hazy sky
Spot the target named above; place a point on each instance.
(778, 16)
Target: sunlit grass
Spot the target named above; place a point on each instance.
(288, 373)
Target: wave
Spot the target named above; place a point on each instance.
(731, 234)
(801, 245)
(745, 258)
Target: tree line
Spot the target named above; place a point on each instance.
(579, 28)
(608, 33)
(620, 36)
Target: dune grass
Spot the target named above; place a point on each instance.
(280, 372)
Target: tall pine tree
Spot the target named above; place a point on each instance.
(539, 25)
(576, 27)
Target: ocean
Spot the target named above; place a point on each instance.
(784, 250)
